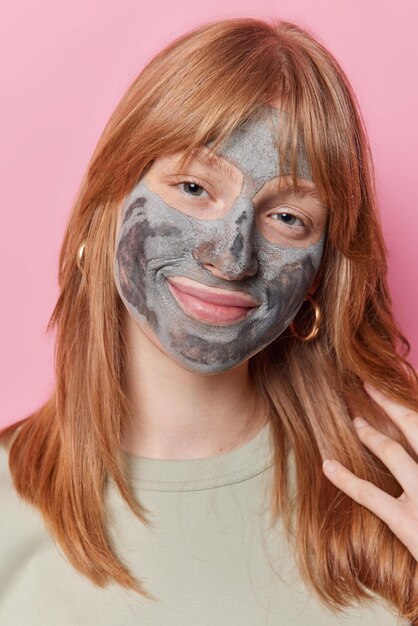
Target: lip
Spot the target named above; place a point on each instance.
(221, 297)
(209, 312)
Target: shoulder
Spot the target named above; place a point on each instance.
(14, 510)
(21, 526)
(12, 504)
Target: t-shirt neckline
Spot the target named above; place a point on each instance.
(236, 465)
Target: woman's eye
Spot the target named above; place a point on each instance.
(190, 187)
(289, 219)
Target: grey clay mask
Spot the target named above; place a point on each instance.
(156, 240)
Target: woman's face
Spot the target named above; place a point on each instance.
(213, 260)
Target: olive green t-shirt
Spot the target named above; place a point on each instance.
(210, 558)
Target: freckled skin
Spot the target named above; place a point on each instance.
(156, 240)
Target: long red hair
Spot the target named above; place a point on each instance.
(200, 88)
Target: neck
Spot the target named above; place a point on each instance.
(179, 414)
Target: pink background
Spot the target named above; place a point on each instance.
(65, 65)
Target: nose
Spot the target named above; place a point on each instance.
(229, 253)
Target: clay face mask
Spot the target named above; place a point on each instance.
(157, 241)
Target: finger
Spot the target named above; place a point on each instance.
(402, 416)
(391, 453)
(363, 492)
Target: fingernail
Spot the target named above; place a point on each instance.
(359, 422)
(329, 466)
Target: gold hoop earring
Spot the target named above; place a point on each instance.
(316, 326)
(80, 256)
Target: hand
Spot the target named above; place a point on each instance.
(400, 514)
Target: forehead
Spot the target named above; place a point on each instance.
(252, 146)
(253, 149)
(249, 156)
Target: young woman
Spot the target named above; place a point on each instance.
(223, 317)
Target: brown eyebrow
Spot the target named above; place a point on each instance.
(217, 163)
(302, 189)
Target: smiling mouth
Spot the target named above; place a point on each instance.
(209, 311)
